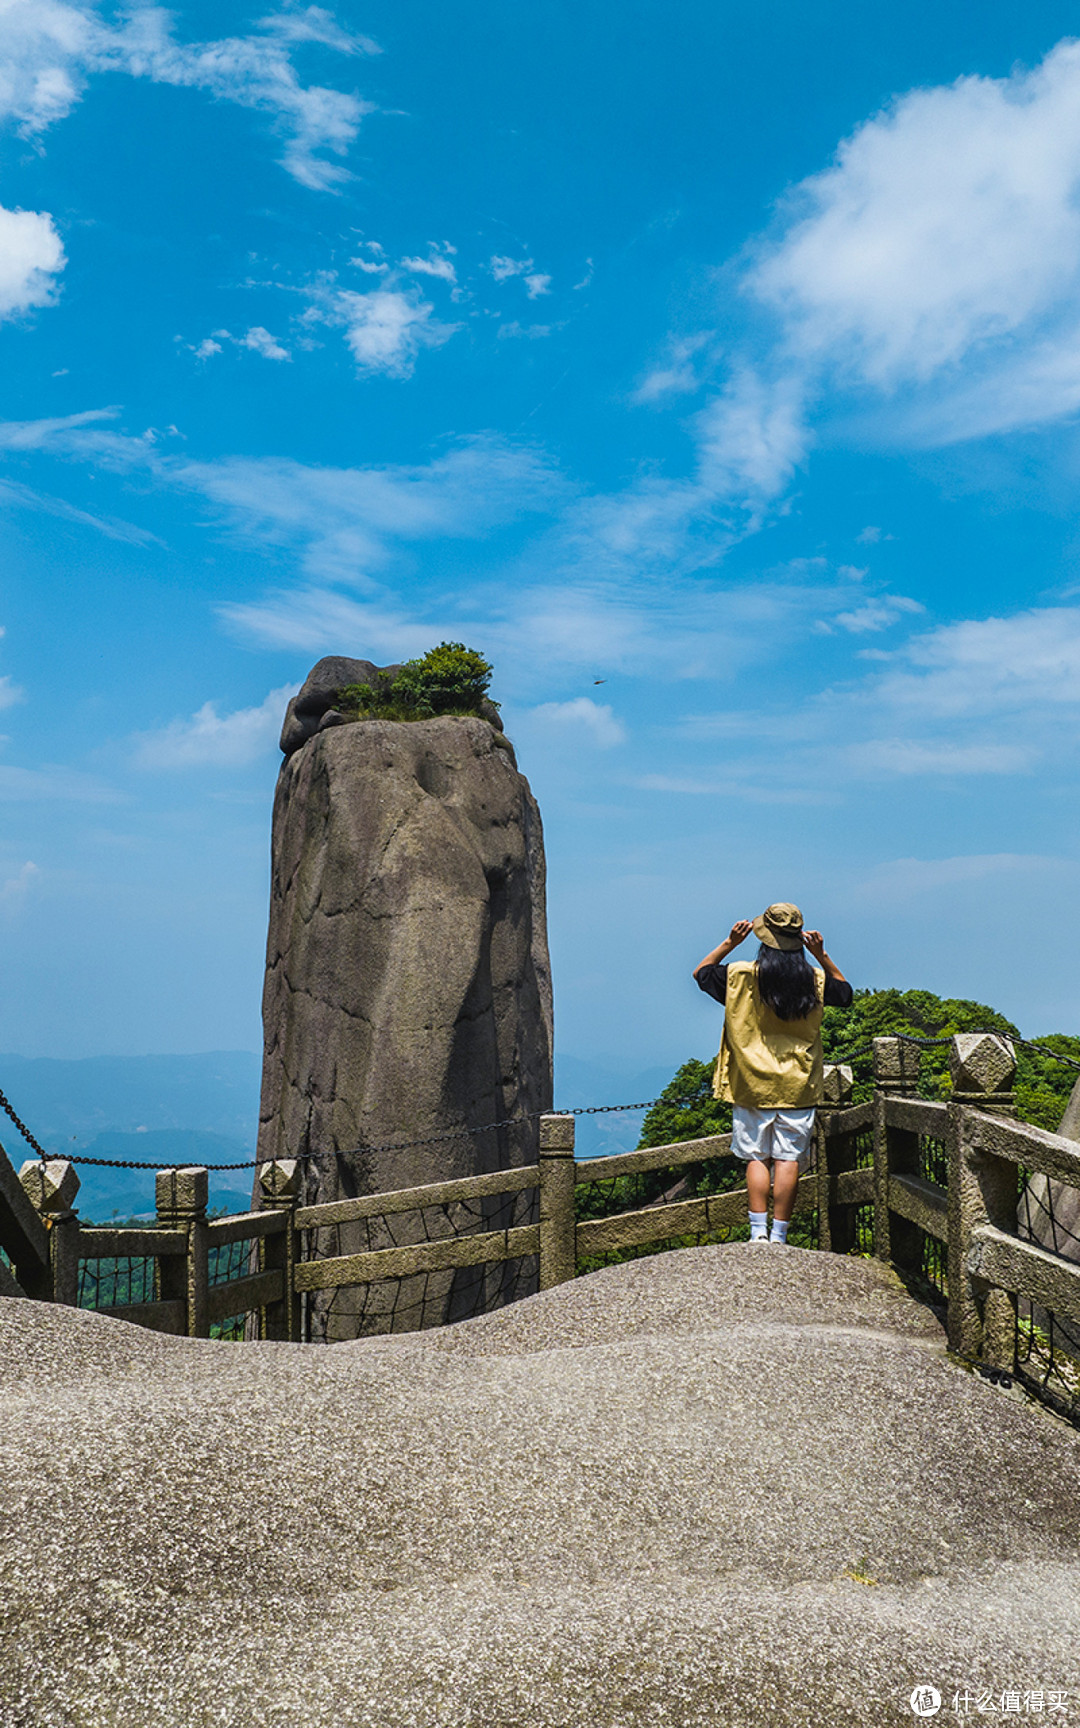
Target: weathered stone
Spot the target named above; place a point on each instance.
(408, 988)
(279, 1181)
(330, 676)
(294, 730)
(896, 1064)
(1049, 1211)
(722, 1488)
(839, 1082)
(50, 1184)
(182, 1193)
(981, 1064)
(333, 717)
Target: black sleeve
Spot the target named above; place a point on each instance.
(838, 993)
(713, 980)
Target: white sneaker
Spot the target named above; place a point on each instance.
(763, 1238)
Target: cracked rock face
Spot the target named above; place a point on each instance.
(408, 990)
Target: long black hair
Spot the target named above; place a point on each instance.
(785, 982)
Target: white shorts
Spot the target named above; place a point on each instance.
(765, 1134)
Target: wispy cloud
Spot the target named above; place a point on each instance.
(210, 739)
(50, 783)
(13, 492)
(49, 49)
(581, 718)
(15, 889)
(536, 282)
(906, 878)
(257, 339)
(677, 374)
(437, 263)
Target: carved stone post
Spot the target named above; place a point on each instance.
(835, 1152)
(558, 1227)
(181, 1205)
(896, 1075)
(982, 1189)
(279, 1185)
(51, 1184)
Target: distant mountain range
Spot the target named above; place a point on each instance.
(204, 1110)
(151, 1109)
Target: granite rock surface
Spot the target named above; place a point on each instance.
(729, 1487)
(408, 987)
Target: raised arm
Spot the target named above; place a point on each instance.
(740, 930)
(815, 941)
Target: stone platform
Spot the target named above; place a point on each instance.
(728, 1486)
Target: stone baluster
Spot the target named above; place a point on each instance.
(834, 1153)
(897, 1063)
(982, 1190)
(279, 1187)
(51, 1184)
(182, 1197)
(558, 1228)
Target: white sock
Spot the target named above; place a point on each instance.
(779, 1230)
(759, 1226)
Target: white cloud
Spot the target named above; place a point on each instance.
(51, 784)
(950, 219)
(347, 522)
(210, 739)
(10, 693)
(906, 877)
(31, 258)
(677, 375)
(752, 437)
(257, 339)
(935, 265)
(907, 756)
(531, 332)
(582, 716)
(879, 613)
(536, 283)
(1029, 661)
(13, 492)
(49, 49)
(438, 263)
(386, 329)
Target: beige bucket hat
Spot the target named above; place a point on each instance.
(780, 926)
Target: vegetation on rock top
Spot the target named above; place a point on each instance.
(449, 679)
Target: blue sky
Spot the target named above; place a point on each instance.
(716, 373)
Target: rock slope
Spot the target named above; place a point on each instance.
(730, 1486)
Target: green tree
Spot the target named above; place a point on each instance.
(686, 1109)
(449, 679)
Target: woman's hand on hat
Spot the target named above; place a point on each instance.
(740, 930)
(815, 941)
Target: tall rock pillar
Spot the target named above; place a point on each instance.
(408, 987)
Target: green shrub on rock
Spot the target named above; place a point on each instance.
(449, 679)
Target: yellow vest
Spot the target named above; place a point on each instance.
(764, 1062)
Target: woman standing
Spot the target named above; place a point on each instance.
(770, 1066)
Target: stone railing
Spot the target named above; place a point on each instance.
(930, 1187)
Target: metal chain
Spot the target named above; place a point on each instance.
(508, 1121)
(23, 1129)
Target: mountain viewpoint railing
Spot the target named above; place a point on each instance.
(978, 1212)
